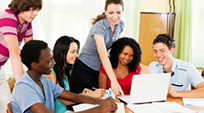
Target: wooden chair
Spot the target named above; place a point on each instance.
(11, 82)
(9, 108)
(144, 69)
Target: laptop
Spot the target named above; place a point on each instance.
(147, 88)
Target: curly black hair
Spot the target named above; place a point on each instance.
(117, 48)
(166, 39)
(31, 52)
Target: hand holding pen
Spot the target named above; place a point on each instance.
(98, 93)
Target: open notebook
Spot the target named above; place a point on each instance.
(161, 107)
(147, 88)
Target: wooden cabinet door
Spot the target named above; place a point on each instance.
(151, 24)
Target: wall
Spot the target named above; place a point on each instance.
(156, 5)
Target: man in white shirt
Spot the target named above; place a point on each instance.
(183, 74)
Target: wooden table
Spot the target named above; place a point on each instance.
(179, 101)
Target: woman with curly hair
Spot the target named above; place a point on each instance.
(125, 56)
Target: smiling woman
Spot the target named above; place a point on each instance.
(65, 53)
(125, 56)
(106, 29)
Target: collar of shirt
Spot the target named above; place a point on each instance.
(18, 21)
(174, 65)
(173, 68)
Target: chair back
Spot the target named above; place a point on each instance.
(9, 108)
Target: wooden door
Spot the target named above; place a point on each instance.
(151, 24)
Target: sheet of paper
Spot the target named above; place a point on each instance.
(85, 106)
(121, 108)
(143, 108)
(107, 95)
(198, 102)
(160, 107)
(172, 107)
(67, 111)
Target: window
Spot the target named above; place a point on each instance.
(197, 33)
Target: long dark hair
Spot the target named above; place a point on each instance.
(117, 48)
(108, 2)
(62, 68)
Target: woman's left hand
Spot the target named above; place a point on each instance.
(98, 93)
(85, 91)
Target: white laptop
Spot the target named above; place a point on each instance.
(148, 88)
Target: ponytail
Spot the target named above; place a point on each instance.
(99, 17)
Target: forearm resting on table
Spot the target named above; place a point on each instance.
(197, 93)
(65, 102)
(69, 96)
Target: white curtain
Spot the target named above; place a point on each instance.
(197, 33)
(73, 18)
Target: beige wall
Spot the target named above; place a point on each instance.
(161, 6)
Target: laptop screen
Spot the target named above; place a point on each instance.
(148, 88)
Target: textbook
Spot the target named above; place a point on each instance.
(160, 107)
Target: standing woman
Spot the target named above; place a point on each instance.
(15, 26)
(106, 29)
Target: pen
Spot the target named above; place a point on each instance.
(109, 92)
(97, 88)
(94, 88)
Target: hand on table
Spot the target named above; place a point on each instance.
(172, 92)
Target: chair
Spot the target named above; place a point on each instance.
(9, 108)
(11, 82)
(144, 69)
